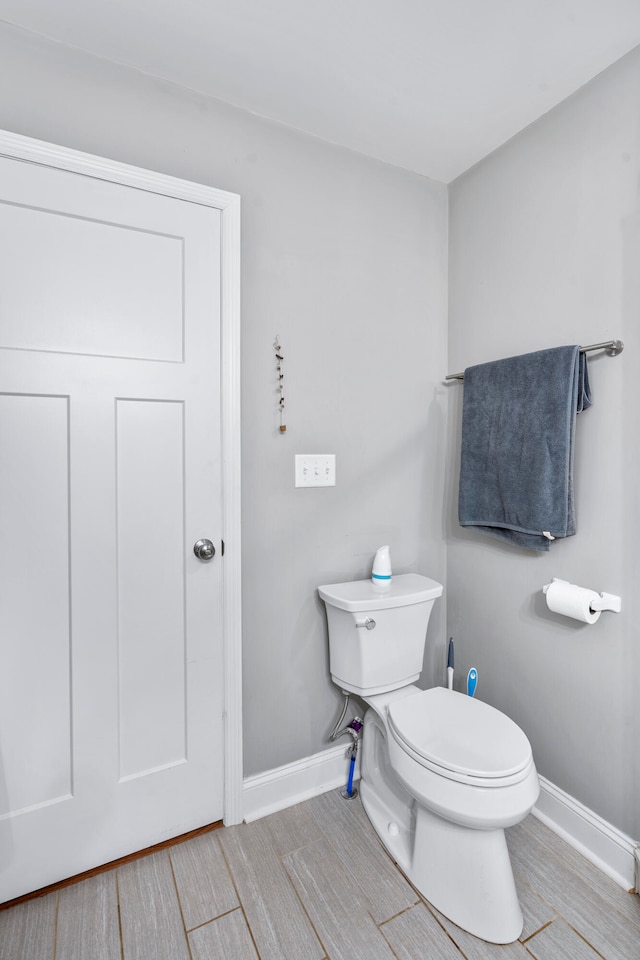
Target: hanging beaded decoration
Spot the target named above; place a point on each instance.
(279, 359)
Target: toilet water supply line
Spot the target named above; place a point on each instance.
(352, 729)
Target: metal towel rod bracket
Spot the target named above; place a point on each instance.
(612, 348)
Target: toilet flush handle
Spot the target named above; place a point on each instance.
(369, 623)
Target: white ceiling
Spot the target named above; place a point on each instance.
(429, 85)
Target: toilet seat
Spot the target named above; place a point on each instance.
(460, 738)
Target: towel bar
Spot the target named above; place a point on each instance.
(612, 347)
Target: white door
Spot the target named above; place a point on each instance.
(110, 628)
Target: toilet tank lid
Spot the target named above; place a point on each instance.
(357, 596)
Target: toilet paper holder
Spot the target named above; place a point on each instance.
(606, 601)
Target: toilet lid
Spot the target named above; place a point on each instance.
(459, 734)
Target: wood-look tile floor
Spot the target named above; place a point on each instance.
(313, 883)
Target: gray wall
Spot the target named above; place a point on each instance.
(545, 250)
(345, 259)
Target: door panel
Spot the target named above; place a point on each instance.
(53, 305)
(35, 563)
(110, 628)
(151, 635)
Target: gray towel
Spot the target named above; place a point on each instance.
(518, 428)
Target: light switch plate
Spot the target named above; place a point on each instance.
(315, 469)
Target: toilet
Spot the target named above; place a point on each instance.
(442, 774)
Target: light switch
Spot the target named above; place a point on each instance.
(315, 469)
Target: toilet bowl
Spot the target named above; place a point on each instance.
(442, 774)
(464, 759)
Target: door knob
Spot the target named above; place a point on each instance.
(204, 550)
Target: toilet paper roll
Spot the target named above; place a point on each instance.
(572, 601)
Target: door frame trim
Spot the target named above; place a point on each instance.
(17, 147)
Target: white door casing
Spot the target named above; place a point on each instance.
(139, 407)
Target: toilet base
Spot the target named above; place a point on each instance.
(466, 874)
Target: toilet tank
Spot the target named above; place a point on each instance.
(377, 634)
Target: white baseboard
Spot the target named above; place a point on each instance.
(600, 842)
(285, 786)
